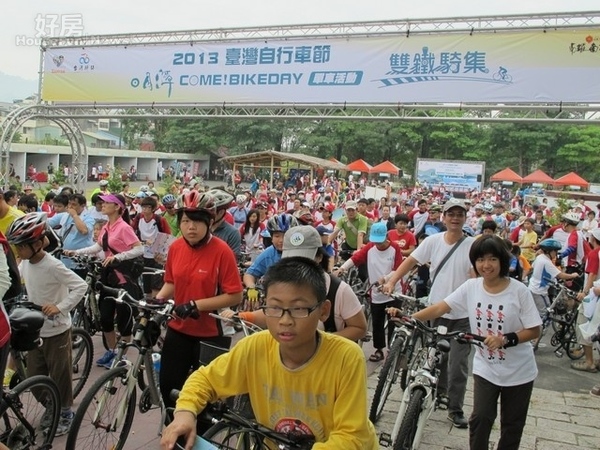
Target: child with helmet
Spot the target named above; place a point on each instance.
(545, 271)
(57, 290)
(201, 276)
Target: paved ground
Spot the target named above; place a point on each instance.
(563, 415)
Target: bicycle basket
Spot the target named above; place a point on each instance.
(208, 352)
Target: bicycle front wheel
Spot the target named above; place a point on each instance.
(105, 415)
(82, 354)
(410, 422)
(32, 416)
(387, 377)
(229, 436)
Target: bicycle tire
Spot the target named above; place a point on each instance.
(107, 389)
(387, 378)
(13, 433)
(229, 436)
(571, 345)
(410, 421)
(82, 355)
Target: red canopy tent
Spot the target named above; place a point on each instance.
(360, 166)
(386, 167)
(571, 179)
(539, 176)
(507, 175)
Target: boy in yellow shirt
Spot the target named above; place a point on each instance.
(292, 372)
(528, 241)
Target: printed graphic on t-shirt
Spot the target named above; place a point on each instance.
(490, 322)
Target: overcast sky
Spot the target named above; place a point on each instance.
(17, 20)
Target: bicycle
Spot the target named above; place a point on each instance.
(565, 336)
(109, 406)
(82, 352)
(420, 396)
(406, 341)
(560, 309)
(29, 411)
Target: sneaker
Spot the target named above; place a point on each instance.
(458, 419)
(106, 359)
(64, 423)
(8, 374)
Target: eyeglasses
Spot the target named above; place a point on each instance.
(455, 214)
(295, 313)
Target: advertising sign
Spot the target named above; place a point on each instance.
(453, 176)
(528, 66)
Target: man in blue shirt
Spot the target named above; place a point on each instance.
(76, 229)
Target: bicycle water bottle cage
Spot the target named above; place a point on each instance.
(25, 325)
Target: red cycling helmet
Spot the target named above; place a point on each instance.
(27, 229)
(196, 201)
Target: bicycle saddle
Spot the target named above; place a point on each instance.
(25, 325)
(23, 319)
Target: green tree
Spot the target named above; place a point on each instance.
(581, 154)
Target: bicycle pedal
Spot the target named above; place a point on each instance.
(559, 354)
(385, 439)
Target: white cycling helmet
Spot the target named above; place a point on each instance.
(222, 199)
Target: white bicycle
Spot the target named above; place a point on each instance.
(420, 396)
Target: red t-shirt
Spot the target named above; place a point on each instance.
(201, 273)
(592, 263)
(404, 240)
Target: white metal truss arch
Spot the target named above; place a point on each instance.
(526, 113)
(71, 131)
(475, 24)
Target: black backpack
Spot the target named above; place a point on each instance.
(16, 287)
(334, 285)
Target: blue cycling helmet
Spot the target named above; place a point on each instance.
(468, 231)
(430, 230)
(169, 198)
(281, 223)
(550, 244)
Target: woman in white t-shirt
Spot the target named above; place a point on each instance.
(502, 309)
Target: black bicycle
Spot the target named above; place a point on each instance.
(562, 315)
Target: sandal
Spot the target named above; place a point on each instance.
(581, 365)
(377, 356)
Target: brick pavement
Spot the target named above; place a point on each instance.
(555, 421)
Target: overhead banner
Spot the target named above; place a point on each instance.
(450, 175)
(533, 66)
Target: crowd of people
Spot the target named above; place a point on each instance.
(485, 262)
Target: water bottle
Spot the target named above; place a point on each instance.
(156, 365)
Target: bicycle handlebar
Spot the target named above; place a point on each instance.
(460, 336)
(122, 296)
